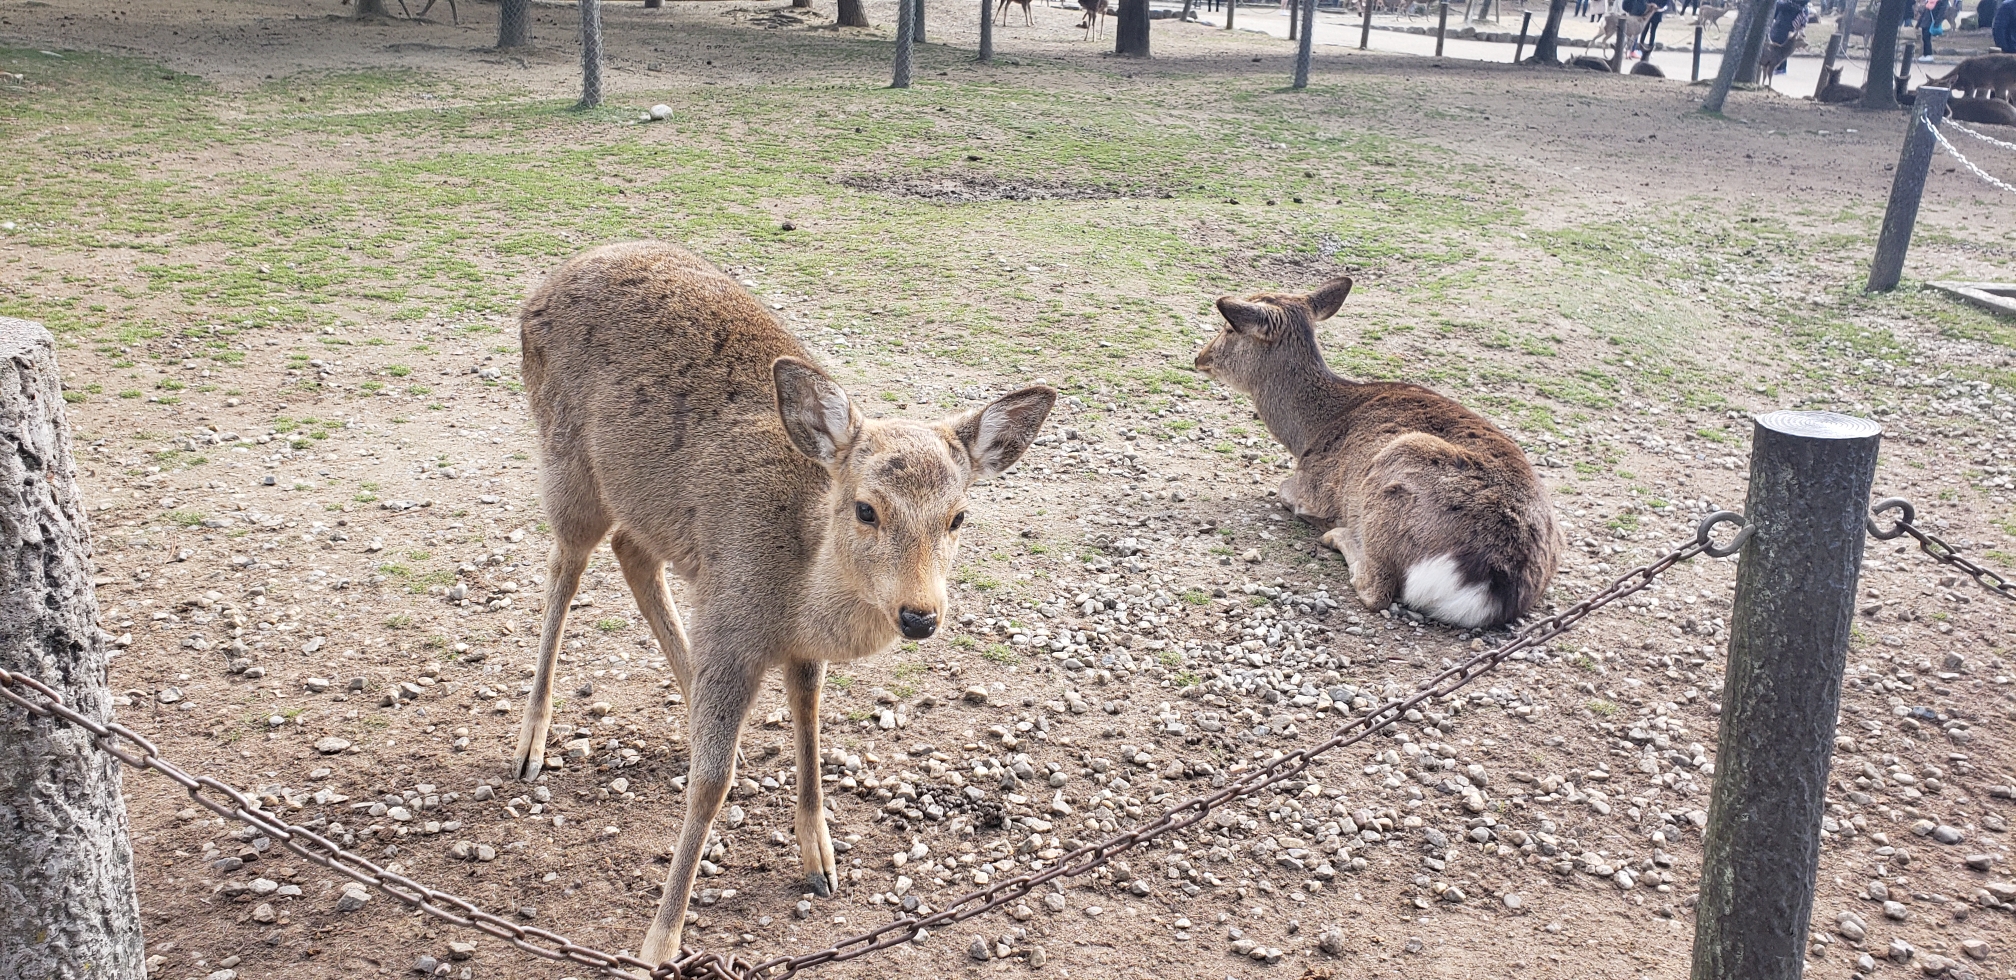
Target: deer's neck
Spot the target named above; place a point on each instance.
(1301, 405)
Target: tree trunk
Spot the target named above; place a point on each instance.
(1130, 34)
(800, 4)
(917, 22)
(1877, 91)
(1759, 14)
(66, 866)
(853, 13)
(591, 54)
(368, 9)
(1544, 52)
(514, 19)
(986, 30)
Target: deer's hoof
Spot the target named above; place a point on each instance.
(819, 884)
(525, 768)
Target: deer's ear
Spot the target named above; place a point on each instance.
(1259, 320)
(1324, 302)
(997, 435)
(817, 416)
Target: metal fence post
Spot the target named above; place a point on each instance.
(1906, 188)
(1697, 54)
(1810, 474)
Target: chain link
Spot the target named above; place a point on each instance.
(1954, 152)
(1930, 544)
(136, 751)
(1983, 137)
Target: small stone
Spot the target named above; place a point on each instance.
(353, 898)
(485, 852)
(978, 949)
(1980, 862)
(484, 792)
(1865, 963)
(316, 685)
(1851, 927)
(1948, 835)
(425, 964)
(264, 886)
(223, 975)
(1252, 556)
(1331, 942)
(461, 950)
(976, 694)
(1037, 958)
(169, 695)
(1624, 880)
(1514, 902)
(331, 745)
(1901, 951)
(1896, 911)
(1054, 902)
(264, 913)
(661, 112)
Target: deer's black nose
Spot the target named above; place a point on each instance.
(918, 625)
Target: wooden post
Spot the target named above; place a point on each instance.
(1518, 50)
(905, 9)
(1834, 46)
(1906, 188)
(1365, 32)
(1810, 474)
(1230, 7)
(1696, 76)
(1617, 57)
(1441, 28)
(1302, 53)
(986, 30)
(65, 860)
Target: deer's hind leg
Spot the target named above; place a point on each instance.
(646, 577)
(579, 522)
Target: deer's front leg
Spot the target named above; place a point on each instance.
(802, 681)
(724, 685)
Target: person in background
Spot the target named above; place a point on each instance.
(2005, 27)
(1788, 17)
(1650, 38)
(1931, 15)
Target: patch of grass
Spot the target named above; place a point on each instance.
(1001, 653)
(1601, 708)
(612, 624)
(398, 621)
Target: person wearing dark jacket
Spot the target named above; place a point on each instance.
(2005, 27)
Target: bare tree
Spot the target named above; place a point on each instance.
(853, 13)
(1545, 49)
(66, 864)
(514, 20)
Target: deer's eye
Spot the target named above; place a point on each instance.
(864, 513)
(958, 519)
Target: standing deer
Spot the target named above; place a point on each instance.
(1028, 18)
(1430, 503)
(677, 413)
(1095, 12)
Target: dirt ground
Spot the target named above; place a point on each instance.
(281, 251)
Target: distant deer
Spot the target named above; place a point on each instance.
(676, 412)
(1836, 93)
(1633, 28)
(1028, 18)
(1431, 505)
(1095, 13)
(1709, 15)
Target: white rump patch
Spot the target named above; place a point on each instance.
(1435, 586)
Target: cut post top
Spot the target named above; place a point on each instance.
(1819, 425)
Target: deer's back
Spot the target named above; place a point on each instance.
(648, 372)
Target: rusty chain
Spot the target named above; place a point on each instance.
(1930, 544)
(39, 700)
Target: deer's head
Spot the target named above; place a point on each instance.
(1268, 335)
(898, 487)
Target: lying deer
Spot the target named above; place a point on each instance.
(1095, 12)
(1028, 18)
(1834, 92)
(677, 413)
(1430, 504)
